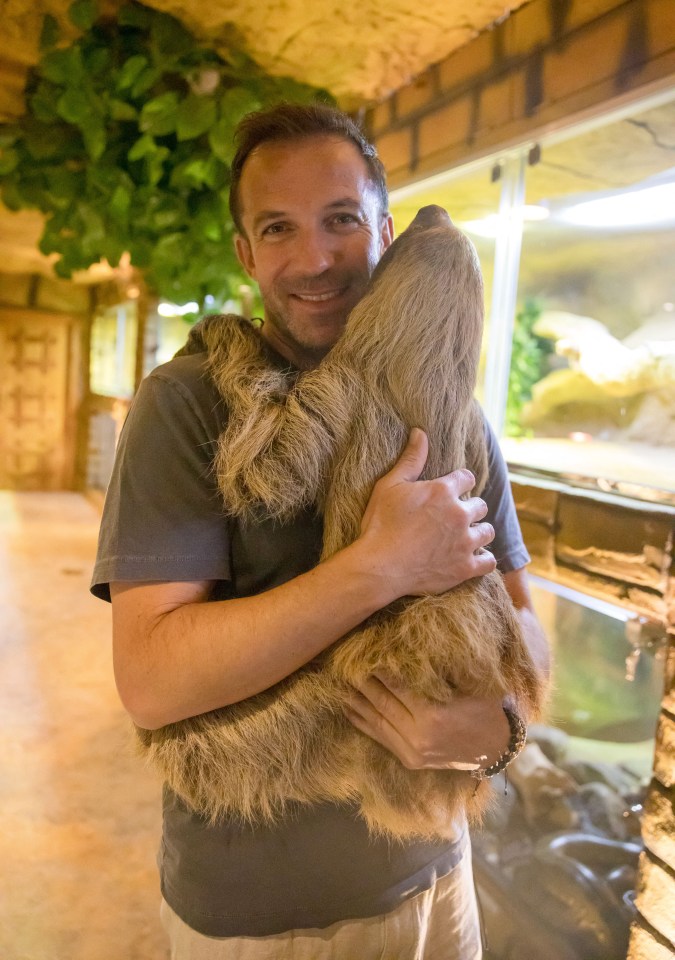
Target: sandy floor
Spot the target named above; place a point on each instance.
(80, 814)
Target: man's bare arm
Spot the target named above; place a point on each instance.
(176, 655)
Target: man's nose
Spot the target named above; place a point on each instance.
(314, 252)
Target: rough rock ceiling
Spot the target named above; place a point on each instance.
(360, 50)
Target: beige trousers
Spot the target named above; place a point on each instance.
(439, 924)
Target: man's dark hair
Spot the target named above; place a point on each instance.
(294, 121)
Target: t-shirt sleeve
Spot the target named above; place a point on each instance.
(508, 546)
(163, 517)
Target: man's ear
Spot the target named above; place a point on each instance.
(244, 254)
(386, 232)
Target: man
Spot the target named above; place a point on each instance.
(208, 612)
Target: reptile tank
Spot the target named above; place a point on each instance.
(577, 243)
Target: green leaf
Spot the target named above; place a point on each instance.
(170, 247)
(62, 66)
(121, 110)
(131, 70)
(120, 202)
(169, 213)
(140, 249)
(145, 80)
(9, 159)
(97, 62)
(11, 197)
(64, 185)
(169, 40)
(194, 117)
(42, 103)
(90, 220)
(155, 165)
(112, 249)
(236, 102)
(158, 116)
(9, 134)
(197, 172)
(46, 141)
(50, 242)
(135, 15)
(221, 140)
(75, 106)
(49, 33)
(95, 140)
(143, 147)
(83, 13)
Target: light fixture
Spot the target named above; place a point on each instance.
(490, 226)
(644, 206)
(165, 309)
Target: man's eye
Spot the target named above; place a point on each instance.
(274, 228)
(342, 219)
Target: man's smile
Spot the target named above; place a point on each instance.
(319, 297)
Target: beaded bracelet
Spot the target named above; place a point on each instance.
(516, 744)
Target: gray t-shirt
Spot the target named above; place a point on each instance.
(164, 520)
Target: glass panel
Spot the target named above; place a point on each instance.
(472, 200)
(604, 696)
(593, 363)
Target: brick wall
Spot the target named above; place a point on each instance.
(550, 62)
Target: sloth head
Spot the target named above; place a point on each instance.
(424, 306)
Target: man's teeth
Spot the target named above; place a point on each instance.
(317, 297)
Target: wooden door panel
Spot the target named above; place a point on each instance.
(34, 378)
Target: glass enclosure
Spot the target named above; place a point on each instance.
(607, 691)
(577, 241)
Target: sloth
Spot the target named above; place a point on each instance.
(322, 438)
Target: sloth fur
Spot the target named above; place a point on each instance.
(408, 357)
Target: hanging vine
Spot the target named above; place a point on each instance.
(126, 143)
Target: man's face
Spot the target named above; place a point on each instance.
(313, 233)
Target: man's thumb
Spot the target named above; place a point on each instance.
(411, 463)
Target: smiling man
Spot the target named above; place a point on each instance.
(313, 254)
(208, 611)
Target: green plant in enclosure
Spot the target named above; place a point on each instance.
(528, 365)
(126, 145)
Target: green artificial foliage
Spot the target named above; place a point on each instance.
(528, 365)
(126, 145)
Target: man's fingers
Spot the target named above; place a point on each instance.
(476, 508)
(410, 464)
(459, 482)
(384, 698)
(363, 715)
(482, 534)
(484, 562)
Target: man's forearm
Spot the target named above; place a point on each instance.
(516, 583)
(177, 656)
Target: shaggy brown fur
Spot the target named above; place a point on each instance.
(408, 358)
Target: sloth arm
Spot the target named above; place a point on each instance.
(467, 732)
(176, 655)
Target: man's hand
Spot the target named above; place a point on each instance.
(419, 535)
(426, 735)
